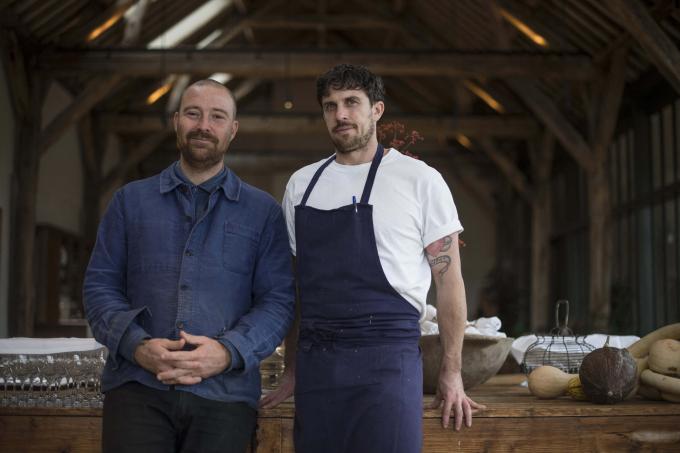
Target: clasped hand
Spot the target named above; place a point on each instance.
(172, 365)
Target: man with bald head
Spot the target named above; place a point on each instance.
(189, 287)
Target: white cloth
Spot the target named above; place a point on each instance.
(412, 208)
(22, 345)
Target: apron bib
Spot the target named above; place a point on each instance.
(358, 365)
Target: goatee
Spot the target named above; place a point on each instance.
(351, 145)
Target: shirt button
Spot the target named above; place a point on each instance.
(189, 253)
(188, 218)
(184, 287)
(180, 325)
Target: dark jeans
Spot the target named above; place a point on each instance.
(145, 420)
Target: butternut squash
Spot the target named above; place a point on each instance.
(664, 357)
(549, 382)
(641, 347)
(670, 397)
(665, 384)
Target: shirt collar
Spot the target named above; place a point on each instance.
(230, 184)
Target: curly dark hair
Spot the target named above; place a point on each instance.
(351, 77)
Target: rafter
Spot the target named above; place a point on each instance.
(517, 126)
(662, 51)
(546, 110)
(283, 63)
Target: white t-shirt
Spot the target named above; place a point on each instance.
(412, 208)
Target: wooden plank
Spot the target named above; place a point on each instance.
(535, 434)
(634, 16)
(518, 126)
(283, 63)
(50, 434)
(269, 435)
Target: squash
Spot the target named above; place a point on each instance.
(608, 375)
(575, 389)
(649, 392)
(641, 347)
(670, 397)
(665, 384)
(641, 366)
(549, 382)
(664, 357)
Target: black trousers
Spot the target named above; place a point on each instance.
(145, 420)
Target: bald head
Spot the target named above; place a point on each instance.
(213, 84)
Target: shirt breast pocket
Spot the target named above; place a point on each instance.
(239, 251)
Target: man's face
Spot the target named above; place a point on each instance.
(350, 118)
(205, 126)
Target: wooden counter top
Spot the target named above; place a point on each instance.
(513, 421)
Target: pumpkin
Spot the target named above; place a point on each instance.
(664, 357)
(549, 382)
(608, 375)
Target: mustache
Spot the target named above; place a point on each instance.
(341, 125)
(201, 136)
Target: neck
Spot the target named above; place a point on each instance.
(360, 155)
(199, 176)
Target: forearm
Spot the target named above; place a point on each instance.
(451, 317)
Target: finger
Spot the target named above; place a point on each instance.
(458, 415)
(446, 412)
(467, 413)
(476, 405)
(184, 380)
(180, 356)
(173, 344)
(192, 339)
(172, 373)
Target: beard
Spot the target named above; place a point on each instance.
(201, 157)
(346, 146)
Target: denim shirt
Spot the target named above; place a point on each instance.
(155, 270)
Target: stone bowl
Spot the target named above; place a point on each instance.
(482, 358)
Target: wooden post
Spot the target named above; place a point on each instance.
(599, 199)
(27, 91)
(541, 156)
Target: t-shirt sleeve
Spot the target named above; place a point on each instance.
(289, 214)
(440, 216)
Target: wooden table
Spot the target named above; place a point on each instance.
(514, 421)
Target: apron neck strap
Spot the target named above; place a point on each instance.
(371, 174)
(369, 180)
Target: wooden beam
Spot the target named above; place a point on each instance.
(634, 16)
(239, 25)
(541, 155)
(508, 168)
(517, 126)
(284, 63)
(116, 176)
(314, 21)
(94, 92)
(610, 103)
(549, 114)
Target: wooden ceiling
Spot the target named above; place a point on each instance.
(451, 68)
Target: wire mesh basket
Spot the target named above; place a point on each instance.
(560, 348)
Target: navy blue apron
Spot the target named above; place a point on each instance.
(358, 365)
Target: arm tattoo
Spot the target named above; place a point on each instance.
(446, 260)
(434, 249)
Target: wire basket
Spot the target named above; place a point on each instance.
(561, 348)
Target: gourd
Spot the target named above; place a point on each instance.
(608, 375)
(641, 347)
(664, 357)
(549, 382)
(575, 389)
(665, 384)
